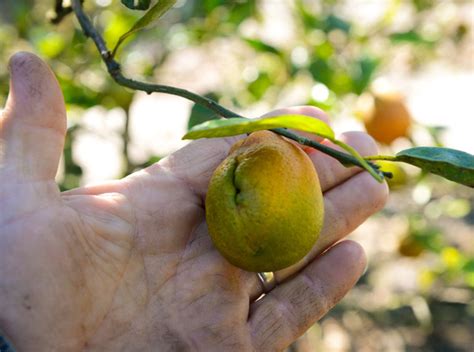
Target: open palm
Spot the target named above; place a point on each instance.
(129, 265)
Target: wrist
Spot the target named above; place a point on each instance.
(6, 345)
(24, 332)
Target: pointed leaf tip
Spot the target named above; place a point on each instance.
(158, 10)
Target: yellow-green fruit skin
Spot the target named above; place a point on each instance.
(264, 205)
(399, 175)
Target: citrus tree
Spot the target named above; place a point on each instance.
(105, 51)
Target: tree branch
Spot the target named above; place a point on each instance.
(115, 72)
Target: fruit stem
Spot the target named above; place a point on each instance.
(381, 157)
(344, 158)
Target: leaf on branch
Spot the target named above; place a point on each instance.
(160, 8)
(137, 4)
(235, 126)
(200, 114)
(454, 165)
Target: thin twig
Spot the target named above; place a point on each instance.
(381, 157)
(60, 11)
(115, 72)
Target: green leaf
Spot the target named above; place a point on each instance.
(411, 37)
(200, 114)
(235, 126)
(363, 72)
(454, 165)
(333, 22)
(260, 86)
(469, 265)
(51, 45)
(376, 174)
(261, 46)
(137, 4)
(321, 71)
(160, 8)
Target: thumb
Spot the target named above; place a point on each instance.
(33, 124)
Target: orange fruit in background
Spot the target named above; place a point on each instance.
(410, 247)
(387, 118)
(399, 175)
(264, 205)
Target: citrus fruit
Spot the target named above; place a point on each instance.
(264, 205)
(399, 175)
(410, 247)
(387, 118)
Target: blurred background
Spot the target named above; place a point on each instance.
(403, 70)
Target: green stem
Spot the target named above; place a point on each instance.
(381, 157)
(375, 173)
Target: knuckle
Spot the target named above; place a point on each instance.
(361, 141)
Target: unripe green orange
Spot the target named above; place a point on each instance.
(399, 175)
(264, 205)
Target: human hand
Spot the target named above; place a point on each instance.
(129, 265)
